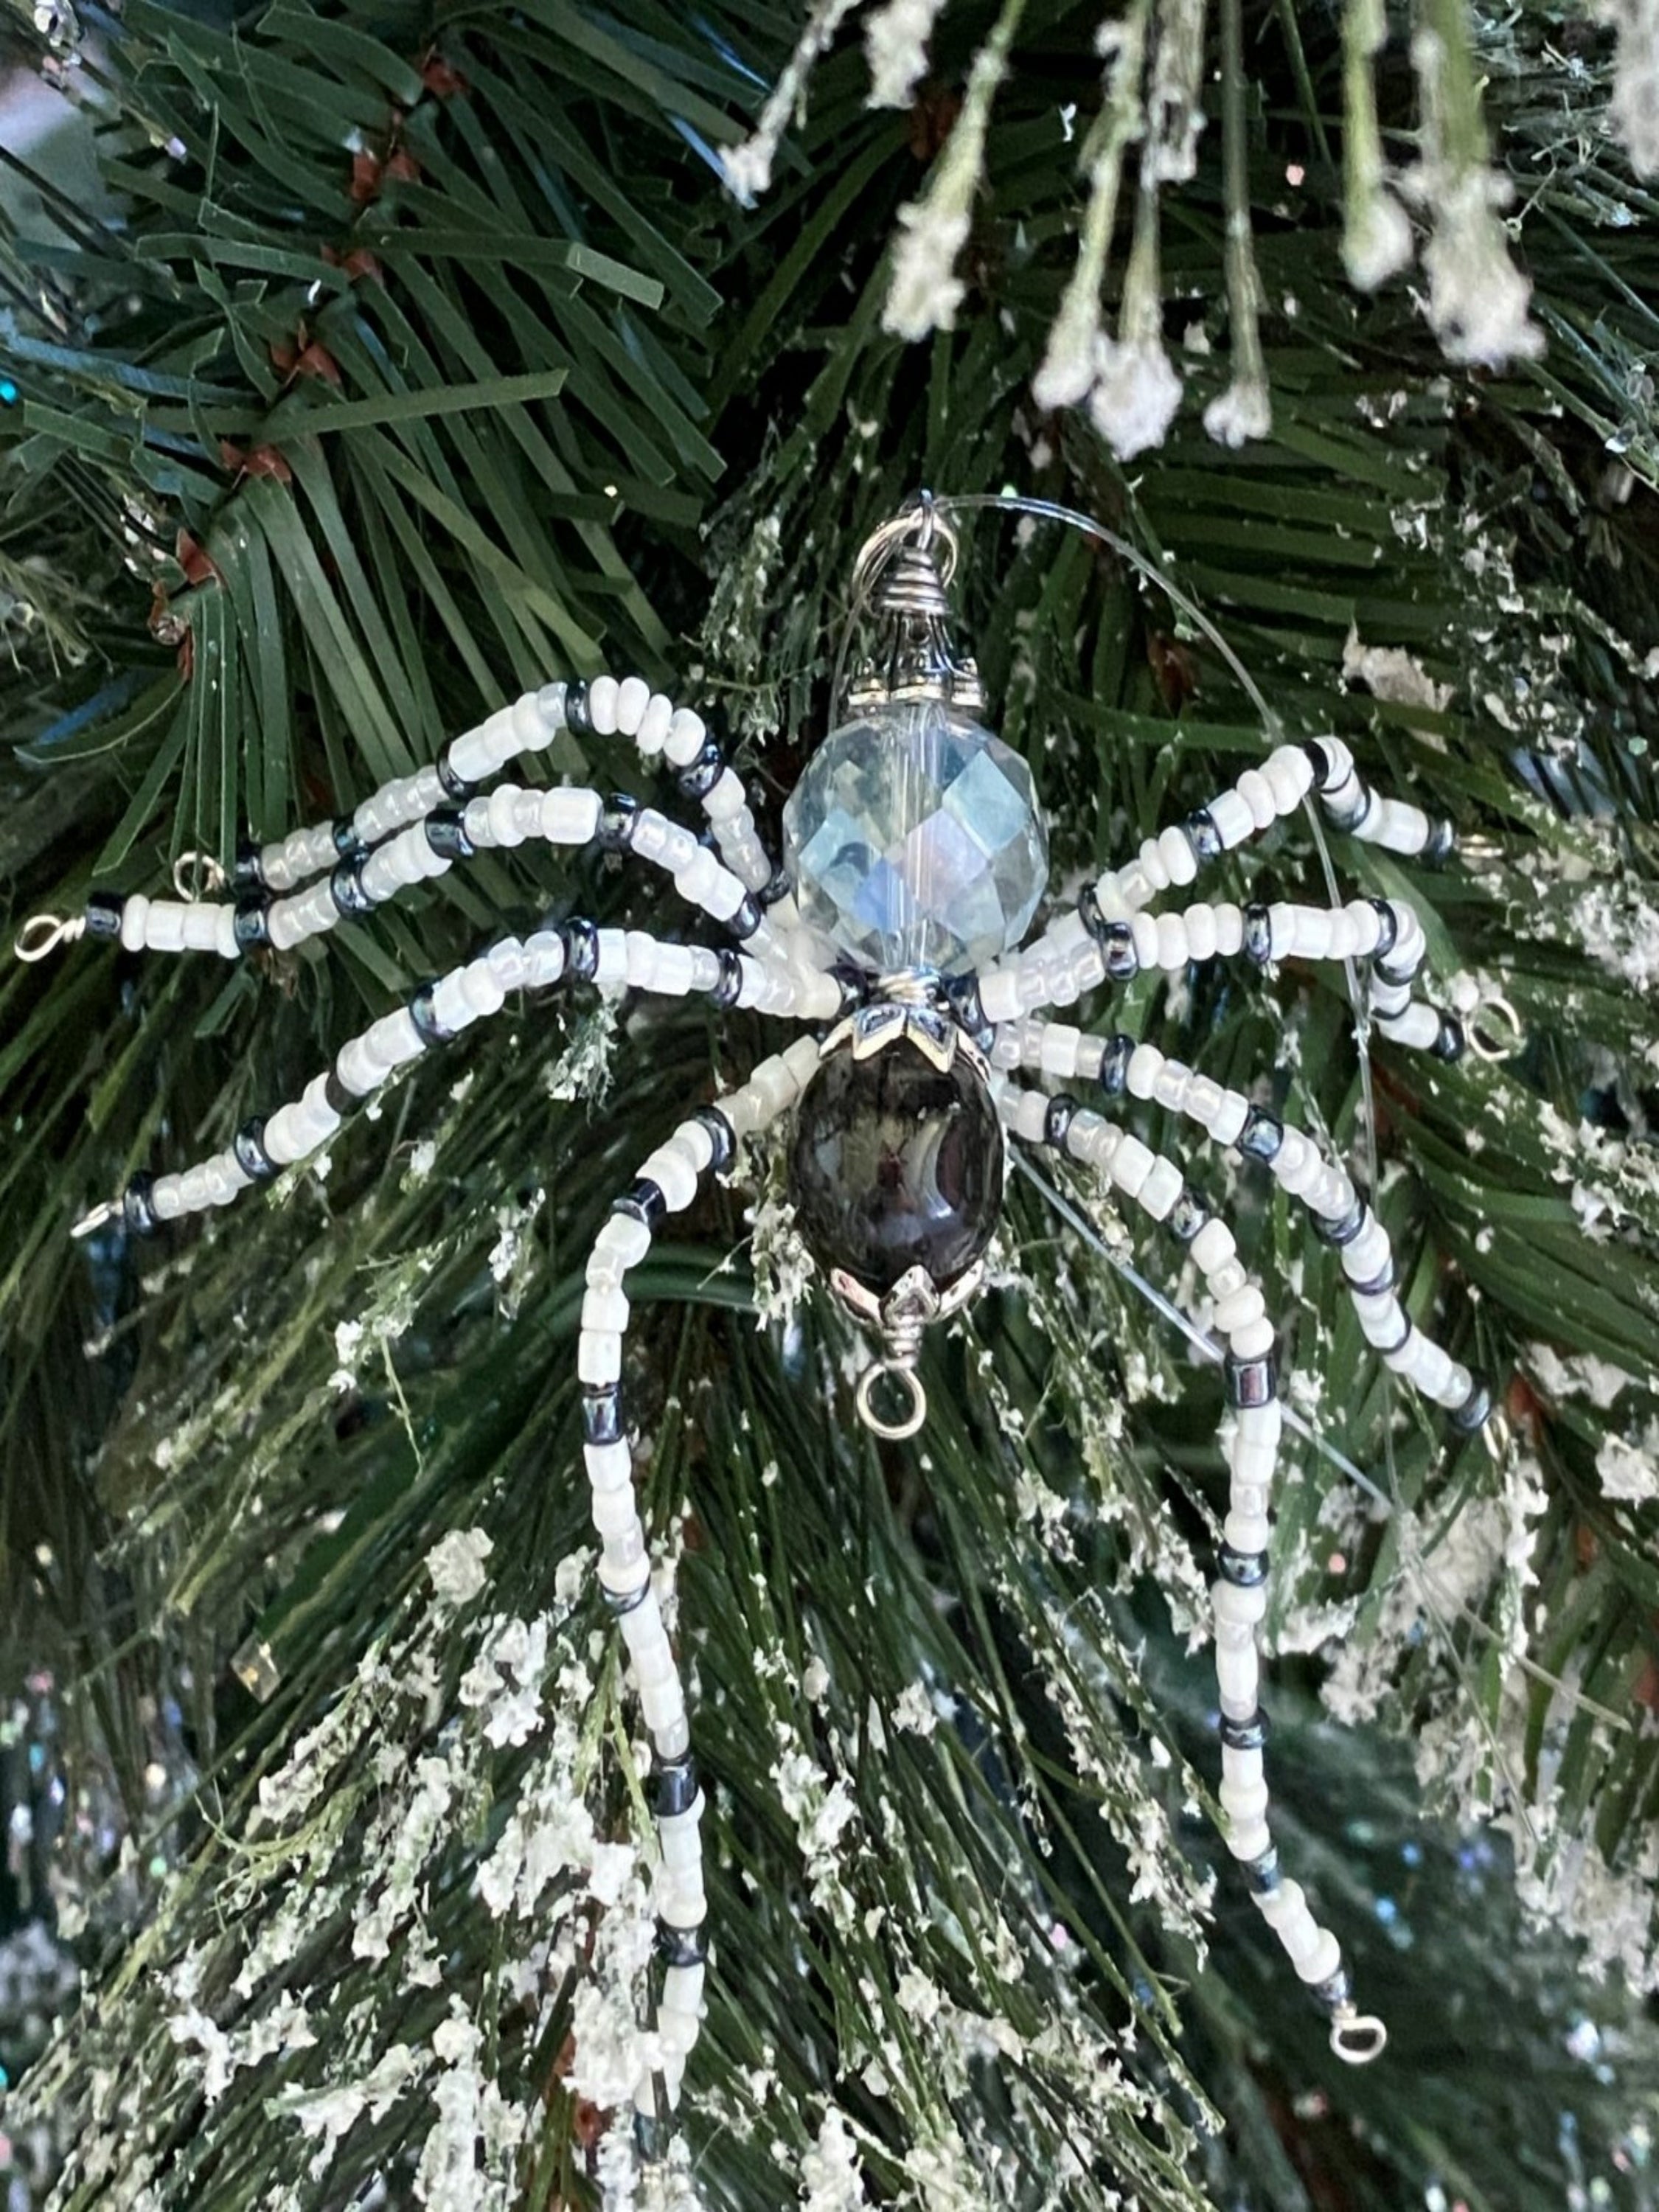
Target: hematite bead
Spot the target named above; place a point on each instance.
(682, 1947)
(1201, 833)
(1263, 1134)
(1117, 943)
(722, 1135)
(1335, 1993)
(1245, 1736)
(1251, 1382)
(103, 912)
(446, 832)
(1263, 1873)
(249, 1146)
(136, 1212)
(247, 872)
(674, 1788)
(896, 1164)
(699, 776)
(1187, 1217)
(454, 784)
(576, 716)
(581, 950)
(1320, 762)
(602, 1421)
(1442, 843)
(642, 1201)
(618, 818)
(422, 1013)
(1115, 1065)
(1342, 1231)
(1058, 1120)
(345, 886)
(1244, 1570)
(1448, 1039)
(1258, 934)
(1475, 1411)
(251, 924)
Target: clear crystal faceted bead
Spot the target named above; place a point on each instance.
(912, 840)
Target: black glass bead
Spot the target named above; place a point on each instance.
(445, 833)
(247, 872)
(720, 1135)
(581, 950)
(103, 911)
(1448, 1039)
(344, 833)
(1251, 1382)
(1263, 1873)
(1475, 1411)
(1343, 1229)
(745, 919)
(1117, 942)
(1115, 1065)
(682, 1947)
(1057, 1121)
(1442, 843)
(674, 1788)
(136, 1212)
(423, 1013)
(249, 1146)
(453, 782)
(351, 901)
(724, 993)
(698, 778)
(602, 1418)
(618, 820)
(1202, 836)
(1320, 762)
(780, 887)
(1258, 935)
(1263, 1134)
(251, 924)
(896, 1164)
(1245, 1736)
(1389, 929)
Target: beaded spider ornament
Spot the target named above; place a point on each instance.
(915, 862)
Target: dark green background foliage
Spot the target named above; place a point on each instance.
(317, 456)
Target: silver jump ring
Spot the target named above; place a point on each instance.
(1500, 1018)
(196, 873)
(1357, 2038)
(909, 1422)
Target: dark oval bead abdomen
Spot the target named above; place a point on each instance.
(896, 1164)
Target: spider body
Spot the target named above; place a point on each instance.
(897, 930)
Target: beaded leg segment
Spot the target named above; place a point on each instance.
(1239, 1595)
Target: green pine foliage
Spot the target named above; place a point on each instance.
(406, 359)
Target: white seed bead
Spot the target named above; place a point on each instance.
(610, 1466)
(605, 1308)
(673, 1172)
(1243, 1803)
(1257, 793)
(999, 994)
(1245, 1305)
(1161, 1188)
(1238, 1608)
(1229, 929)
(1180, 861)
(1213, 1246)
(1224, 1280)
(1290, 777)
(1227, 1122)
(1253, 1339)
(1247, 1531)
(612, 1511)
(601, 696)
(570, 815)
(633, 697)
(1143, 928)
(1132, 1163)
(1232, 817)
(687, 733)
(725, 797)
(1238, 1673)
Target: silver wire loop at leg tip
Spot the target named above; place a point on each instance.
(1356, 2038)
(42, 933)
(197, 875)
(98, 1219)
(1494, 1030)
(893, 1373)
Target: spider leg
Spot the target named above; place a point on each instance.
(571, 951)
(530, 725)
(1239, 1597)
(568, 815)
(1262, 796)
(666, 1184)
(1342, 1217)
(1085, 949)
